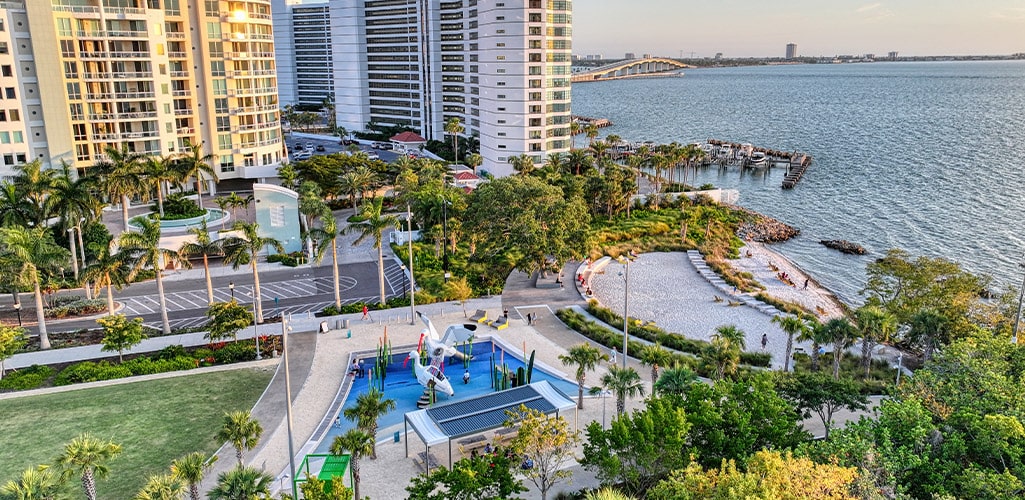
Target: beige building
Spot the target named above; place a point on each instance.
(150, 75)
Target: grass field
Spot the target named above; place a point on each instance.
(154, 421)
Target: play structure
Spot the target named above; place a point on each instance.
(330, 466)
(432, 375)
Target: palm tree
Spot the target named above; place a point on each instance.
(73, 199)
(311, 205)
(792, 326)
(160, 171)
(87, 456)
(524, 164)
(614, 140)
(26, 253)
(624, 383)
(599, 149)
(370, 406)
(15, 210)
(359, 444)
(578, 160)
(162, 487)
(574, 128)
(733, 335)
(235, 201)
(145, 251)
(654, 355)
(38, 483)
(373, 226)
(242, 431)
(723, 354)
(818, 336)
(586, 358)
(842, 334)
(242, 250)
(675, 381)
(194, 164)
(35, 183)
(122, 177)
(326, 236)
(474, 160)
(874, 325)
(204, 246)
(223, 203)
(591, 131)
(242, 483)
(607, 494)
(453, 127)
(191, 468)
(929, 329)
(110, 269)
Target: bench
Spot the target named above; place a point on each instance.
(424, 462)
(500, 323)
(506, 433)
(480, 316)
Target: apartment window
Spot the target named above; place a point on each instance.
(21, 158)
(165, 88)
(535, 146)
(500, 58)
(535, 84)
(534, 96)
(9, 93)
(216, 68)
(223, 124)
(227, 163)
(169, 127)
(501, 109)
(535, 122)
(500, 18)
(500, 70)
(501, 134)
(3, 115)
(8, 159)
(534, 44)
(4, 49)
(535, 70)
(63, 26)
(14, 115)
(500, 32)
(221, 105)
(220, 86)
(5, 137)
(74, 90)
(534, 109)
(18, 137)
(534, 58)
(500, 44)
(534, 31)
(2, 27)
(501, 96)
(500, 84)
(224, 141)
(501, 146)
(213, 7)
(501, 122)
(535, 4)
(7, 71)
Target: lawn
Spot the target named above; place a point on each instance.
(154, 421)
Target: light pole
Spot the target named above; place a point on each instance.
(1021, 294)
(444, 231)
(626, 302)
(231, 286)
(412, 281)
(74, 257)
(17, 308)
(288, 400)
(404, 284)
(256, 331)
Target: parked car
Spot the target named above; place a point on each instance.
(320, 147)
(377, 145)
(302, 155)
(346, 142)
(387, 146)
(373, 156)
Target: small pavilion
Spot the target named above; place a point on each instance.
(408, 141)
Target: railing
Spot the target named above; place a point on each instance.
(124, 10)
(86, 9)
(255, 72)
(186, 131)
(177, 55)
(93, 96)
(12, 5)
(249, 127)
(129, 55)
(174, 35)
(181, 93)
(253, 109)
(98, 55)
(133, 95)
(97, 76)
(182, 112)
(179, 74)
(127, 34)
(134, 115)
(89, 34)
(125, 75)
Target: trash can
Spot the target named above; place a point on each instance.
(338, 324)
(323, 327)
(396, 437)
(345, 323)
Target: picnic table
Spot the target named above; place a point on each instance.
(472, 443)
(425, 461)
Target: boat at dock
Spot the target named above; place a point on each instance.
(757, 159)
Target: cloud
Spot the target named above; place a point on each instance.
(869, 7)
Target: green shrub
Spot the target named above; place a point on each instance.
(149, 366)
(330, 310)
(172, 351)
(760, 359)
(234, 352)
(177, 206)
(88, 371)
(287, 259)
(75, 306)
(26, 378)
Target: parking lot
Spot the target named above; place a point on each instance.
(333, 146)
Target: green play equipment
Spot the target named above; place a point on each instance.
(330, 466)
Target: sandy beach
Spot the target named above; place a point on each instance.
(814, 297)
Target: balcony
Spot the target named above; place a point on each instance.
(127, 34)
(186, 131)
(174, 35)
(182, 112)
(181, 93)
(79, 9)
(90, 34)
(121, 11)
(180, 74)
(137, 115)
(132, 75)
(93, 55)
(134, 95)
(251, 73)
(178, 55)
(253, 109)
(130, 55)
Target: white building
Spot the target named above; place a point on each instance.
(148, 75)
(501, 68)
(791, 50)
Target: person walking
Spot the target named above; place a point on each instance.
(765, 340)
(806, 284)
(366, 313)
(612, 356)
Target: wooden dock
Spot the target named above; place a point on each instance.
(798, 164)
(587, 120)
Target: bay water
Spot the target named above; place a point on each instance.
(928, 157)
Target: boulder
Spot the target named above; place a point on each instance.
(844, 246)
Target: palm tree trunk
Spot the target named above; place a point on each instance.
(815, 356)
(124, 211)
(355, 477)
(380, 270)
(81, 251)
(580, 394)
(110, 297)
(194, 491)
(199, 189)
(256, 293)
(790, 348)
(837, 354)
(160, 294)
(334, 272)
(44, 339)
(620, 404)
(160, 198)
(209, 283)
(866, 355)
(89, 484)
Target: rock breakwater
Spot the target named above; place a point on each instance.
(844, 246)
(762, 228)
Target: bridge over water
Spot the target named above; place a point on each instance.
(631, 68)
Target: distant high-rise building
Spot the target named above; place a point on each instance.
(791, 50)
(892, 55)
(630, 55)
(503, 69)
(718, 56)
(153, 77)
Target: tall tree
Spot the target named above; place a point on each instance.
(674, 381)
(818, 335)
(122, 176)
(546, 445)
(203, 246)
(655, 356)
(359, 444)
(145, 251)
(523, 163)
(574, 128)
(191, 469)
(454, 128)
(326, 237)
(227, 319)
(120, 333)
(162, 487)
(194, 163)
(792, 326)
(27, 255)
(242, 431)
(242, 250)
(624, 383)
(110, 269)
(74, 200)
(842, 334)
(822, 395)
(474, 160)
(591, 131)
(372, 226)
(370, 406)
(87, 456)
(160, 171)
(929, 330)
(35, 184)
(242, 483)
(874, 326)
(586, 358)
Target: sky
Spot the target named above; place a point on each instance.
(752, 28)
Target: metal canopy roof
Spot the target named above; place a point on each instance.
(472, 416)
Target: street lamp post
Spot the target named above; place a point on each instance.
(288, 400)
(231, 287)
(412, 281)
(404, 284)
(256, 327)
(1021, 294)
(17, 308)
(626, 304)
(444, 231)
(74, 257)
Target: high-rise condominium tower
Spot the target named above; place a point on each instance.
(501, 68)
(152, 76)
